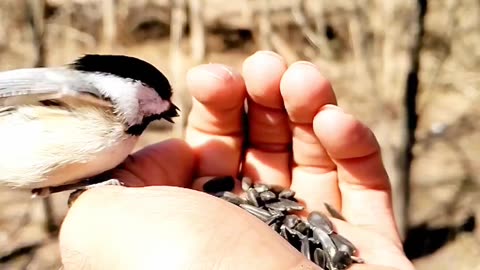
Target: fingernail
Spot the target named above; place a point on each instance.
(219, 184)
(306, 63)
(217, 71)
(332, 107)
(270, 53)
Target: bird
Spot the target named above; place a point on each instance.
(61, 126)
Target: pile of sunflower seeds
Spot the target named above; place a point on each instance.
(315, 238)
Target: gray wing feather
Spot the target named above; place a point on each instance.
(24, 86)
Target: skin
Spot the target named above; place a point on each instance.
(299, 138)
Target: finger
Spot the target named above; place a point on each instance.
(214, 127)
(267, 156)
(168, 228)
(305, 90)
(168, 163)
(363, 181)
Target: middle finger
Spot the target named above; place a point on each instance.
(314, 175)
(268, 152)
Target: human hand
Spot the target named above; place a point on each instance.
(298, 139)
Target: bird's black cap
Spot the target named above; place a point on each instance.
(126, 67)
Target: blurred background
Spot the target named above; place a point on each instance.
(409, 69)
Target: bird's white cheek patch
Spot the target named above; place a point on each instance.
(154, 106)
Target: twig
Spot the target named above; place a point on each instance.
(85, 38)
(109, 22)
(177, 26)
(449, 35)
(197, 26)
(283, 48)
(36, 10)
(362, 56)
(265, 25)
(411, 97)
(20, 251)
(315, 37)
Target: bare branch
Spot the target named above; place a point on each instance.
(197, 26)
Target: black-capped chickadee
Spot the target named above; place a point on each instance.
(62, 125)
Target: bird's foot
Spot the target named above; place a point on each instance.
(74, 195)
(78, 188)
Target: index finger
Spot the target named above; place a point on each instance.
(215, 128)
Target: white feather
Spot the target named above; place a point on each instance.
(48, 146)
(134, 101)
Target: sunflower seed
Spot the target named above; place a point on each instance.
(260, 213)
(343, 244)
(253, 197)
(302, 227)
(246, 183)
(341, 260)
(276, 216)
(334, 213)
(285, 205)
(305, 247)
(231, 197)
(356, 259)
(320, 220)
(267, 196)
(325, 240)
(275, 226)
(260, 188)
(315, 237)
(286, 194)
(320, 258)
(291, 221)
(291, 236)
(276, 188)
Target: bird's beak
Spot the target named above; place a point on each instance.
(170, 113)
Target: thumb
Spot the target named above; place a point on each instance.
(169, 228)
(168, 163)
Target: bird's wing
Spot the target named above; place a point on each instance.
(27, 86)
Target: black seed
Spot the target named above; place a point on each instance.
(291, 221)
(246, 183)
(315, 238)
(320, 258)
(275, 212)
(302, 227)
(325, 240)
(343, 244)
(272, 220)
(305, 248)
(231, 197)
(291, 236)
(267, 196)
(261, 188)
(286, 194)
(253, 197)
(334, 213)
(315, 241)
(285, 205)
(356, 259)
(320, 220)
(276, 217)
(260, 213)
(275, 226)
(276, 188)
(219, 184)
(278, 206)
(342, 260)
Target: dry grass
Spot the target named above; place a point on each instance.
(365, 47)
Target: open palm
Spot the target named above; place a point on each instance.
(297, 138)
